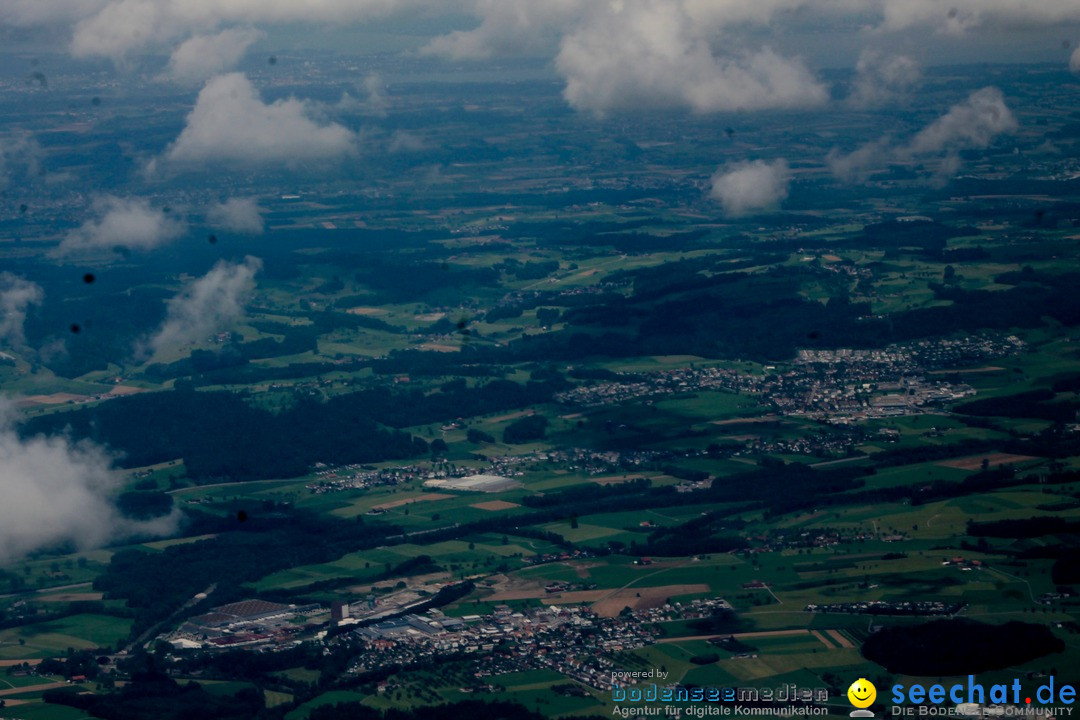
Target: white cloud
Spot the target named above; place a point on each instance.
(230, 123)
(16, 297)
(58, 491)
(652, 54)
(509, 27)
(613, 54)
(207, 306)
(880, 79)
(746, 188)
(947, 167)
(20, 159)
(858, 165)
(376, 93)
(125, 26)
(973, 123)
(1074, 61)
(405, 141)
(118, 28)
(238, 215)
(203, 56)
(124, 222)
(374, 102)
(660, 53)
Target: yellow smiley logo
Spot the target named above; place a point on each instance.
(862, 693)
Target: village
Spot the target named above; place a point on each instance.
(571, 640)
(841, 386)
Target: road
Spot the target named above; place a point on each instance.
(152, 631)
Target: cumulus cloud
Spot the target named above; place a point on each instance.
(653, 55)
(118, 28)
(207, 306)
(973, 123)
(747, 188)
(376, 93)
(126, 223)
(238, 215)
(513, 27)
(230, 123)
(880, 79)
(56, 492)
(20, 159)
(405, 141)
(374, 101)
(16, 297)
(509, 27)
(121, 27)
(858, 165)
(613, 54)
(203, 56)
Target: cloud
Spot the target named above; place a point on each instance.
(208, 305)
(880, 79)
(649, 54)
(746, 188)
(203, 56)
(858, 165)
(375, 101)
(509, 27)
(20, 159)
(405, 141)
(973, 123)
(1074, 61)
(948, 166)
(238, 215)
(230, 123)
(376, 93)
(57, 491)
(121, 27)
(125, 222)
(16, 297)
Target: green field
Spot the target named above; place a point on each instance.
(53, 638)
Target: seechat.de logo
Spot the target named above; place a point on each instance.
(862, 694)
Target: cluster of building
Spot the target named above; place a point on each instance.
(784, 539)
(896, 607)
(823, 445)
(963, 563)
(569, 640)
(839, 385)
(556, 557)
(922, 355)
(248, 623)
(658, 384)
(353, 477)
(495, 476)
